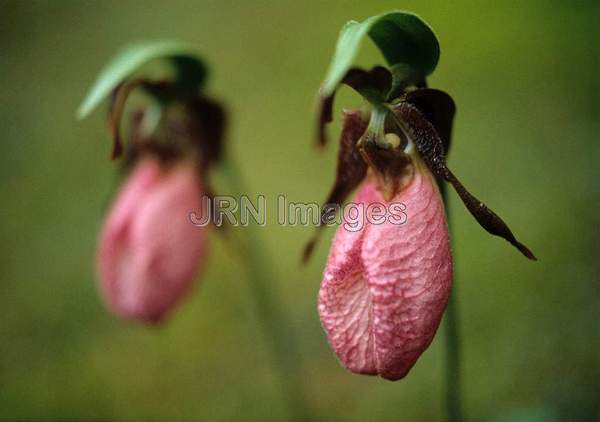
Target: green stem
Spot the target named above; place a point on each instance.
(277, 327)
(452, 339)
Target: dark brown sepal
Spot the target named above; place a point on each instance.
(324, 116)
(207, 127)
(431, 149)
(487, 218)
(374, 85)
(351, 170)
(438, 107)
(116, 108)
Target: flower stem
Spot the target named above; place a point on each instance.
(452, 340)
(277, 327)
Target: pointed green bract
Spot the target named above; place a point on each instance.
(402, 37)
(189, 67)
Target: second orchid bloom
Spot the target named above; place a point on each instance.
(149, 253)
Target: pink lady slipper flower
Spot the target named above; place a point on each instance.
(149, 253)
(149, 250)
(386, 286)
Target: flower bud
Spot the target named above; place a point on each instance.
(386, 286)
(149, 253)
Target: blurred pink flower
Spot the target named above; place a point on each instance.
(386, 286)
(149, 252)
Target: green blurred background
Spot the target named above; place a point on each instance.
(525, 77)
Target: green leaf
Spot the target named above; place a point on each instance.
(190, 69)
(402, 37)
